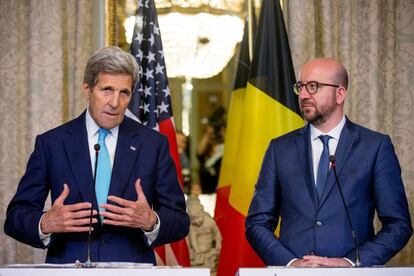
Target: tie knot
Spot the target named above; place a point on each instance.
(325, 139)
(102, 133)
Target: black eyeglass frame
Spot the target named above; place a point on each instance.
(298, 86)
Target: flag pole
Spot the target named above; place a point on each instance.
(250, 26)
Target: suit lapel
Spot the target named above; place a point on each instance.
(346, 142)
(127, 150)
(77, 152)
(304, 148)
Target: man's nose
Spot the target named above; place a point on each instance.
(114, 102)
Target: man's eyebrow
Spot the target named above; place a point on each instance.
(107, 87)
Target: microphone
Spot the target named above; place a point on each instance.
(357, 259)
(88, 262)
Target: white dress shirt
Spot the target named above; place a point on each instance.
(317, 145)
(93, 133)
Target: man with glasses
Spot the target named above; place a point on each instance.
(297, 185)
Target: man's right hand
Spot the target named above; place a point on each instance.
(67, 218)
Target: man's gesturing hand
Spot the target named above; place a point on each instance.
(135, 214)
(67, 218)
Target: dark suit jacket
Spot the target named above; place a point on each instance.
(369, 174)
(62, 156)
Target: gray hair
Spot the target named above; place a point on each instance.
(111, 60)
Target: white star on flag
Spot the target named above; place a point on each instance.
(167, 92)
(147, 91)
(151, 39)
(163, 107)
(156, 30)
(140, 55)
(148, 74)
(139, 37)
(146, 108)
(140, 90)
(161, 54)
(151, 57)
(140, 71)
(159, 69)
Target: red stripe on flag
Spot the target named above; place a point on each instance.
(161, 253)
(181, 253)
(222, 203)
(236, 251)
(221, 215)
(167, 128)
(180, 248)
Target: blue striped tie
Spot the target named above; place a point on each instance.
(103, 171)
(323, 167)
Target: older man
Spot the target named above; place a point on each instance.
(138, 197)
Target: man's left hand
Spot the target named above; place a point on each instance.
(135, 214)
(317, 261)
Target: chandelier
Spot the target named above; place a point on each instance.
(199, 36)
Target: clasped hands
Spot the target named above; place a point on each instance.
(317, 261)
(76, 217)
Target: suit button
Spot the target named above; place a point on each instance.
(318, 223)
(102, 242)
(312, 253)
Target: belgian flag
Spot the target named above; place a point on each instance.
(228, 164)
(269, 109)
(234, 119)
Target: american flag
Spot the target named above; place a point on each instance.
(151, 103)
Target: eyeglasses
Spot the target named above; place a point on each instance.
(311, 86)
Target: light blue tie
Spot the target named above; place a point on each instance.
(103, 171)
(323, 167)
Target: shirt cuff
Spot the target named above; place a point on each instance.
(349, 261)
(153, 234)
(45, 238)
(289, 263)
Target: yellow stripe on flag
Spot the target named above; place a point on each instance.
(264, 119)
(234, 120)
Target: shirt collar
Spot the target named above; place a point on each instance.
(335, 133)
(92, 128)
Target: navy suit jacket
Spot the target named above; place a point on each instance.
(369, 174)
(62, 156)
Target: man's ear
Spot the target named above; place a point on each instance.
(341, 95)
(86, 90)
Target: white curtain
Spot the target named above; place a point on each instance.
(43, 46)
